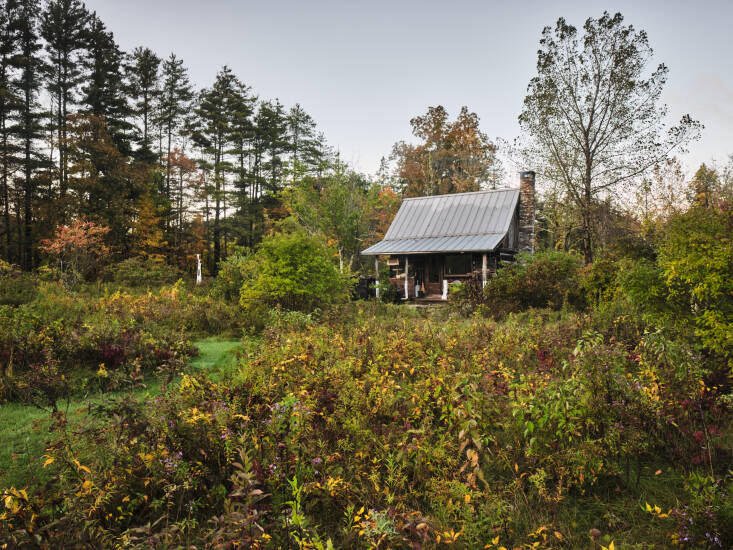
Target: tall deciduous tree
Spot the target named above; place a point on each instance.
(592, 118)
(337, 206)
(63, 27)
(453, 157)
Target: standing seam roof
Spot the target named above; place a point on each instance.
(449, 223)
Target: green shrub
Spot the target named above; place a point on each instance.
(643, 282)
(599, 280)
(696, 261)
(292, 271)
(142, 272)
(544, 279)
(689, 287)
(16, 287)
(231, 276)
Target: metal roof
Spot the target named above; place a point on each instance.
(462, 222)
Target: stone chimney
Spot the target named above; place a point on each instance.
(526, 212)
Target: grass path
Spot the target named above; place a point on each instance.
(23, 428)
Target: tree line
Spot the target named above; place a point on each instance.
(89, 131)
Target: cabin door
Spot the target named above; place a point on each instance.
(434, 275)
(417, 267)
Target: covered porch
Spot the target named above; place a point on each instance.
(427, 277)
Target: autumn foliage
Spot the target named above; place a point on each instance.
(78, 247)
(452, 156)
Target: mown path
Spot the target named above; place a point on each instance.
(23, 428)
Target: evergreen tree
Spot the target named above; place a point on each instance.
(303, 143)
(175, 99)
(242, 134)
(63, 27)
(31, 117)
(105, 94)
(92, 155)
(9, 111)
(272, 125)
(143, 75)
(213, 135)
(184, 182)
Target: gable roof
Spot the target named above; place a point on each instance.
(461, 222)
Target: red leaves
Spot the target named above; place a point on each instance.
(80, 234)
(77, 246)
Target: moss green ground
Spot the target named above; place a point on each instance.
(24, 429)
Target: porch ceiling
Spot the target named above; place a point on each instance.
(428, 245)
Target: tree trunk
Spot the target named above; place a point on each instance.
(145, 119)
(217, 208)
(587, 223)
(5, 193)
(27, 186)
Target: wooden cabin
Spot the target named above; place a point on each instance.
(438, 240)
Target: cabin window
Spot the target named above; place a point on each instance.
(396, 267)
(458, 264)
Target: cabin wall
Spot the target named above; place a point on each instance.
(430, 270)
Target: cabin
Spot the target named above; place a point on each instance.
(438, 240)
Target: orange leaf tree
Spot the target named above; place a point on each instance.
(78, 246)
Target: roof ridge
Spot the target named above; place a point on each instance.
(462, 194)
(443, 236)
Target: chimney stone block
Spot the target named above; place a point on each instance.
(526, 211)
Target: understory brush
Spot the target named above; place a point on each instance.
(376, 426)
(73, 342)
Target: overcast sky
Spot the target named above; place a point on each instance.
(363, 68)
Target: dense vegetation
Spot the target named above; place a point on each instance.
(563, 406)
(573, 402)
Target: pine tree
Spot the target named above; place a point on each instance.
(213, 135)
(175, 99)
(30, 120)
(143, 75)
(242, 134)
(303, 142)
(9, 111)
(63, 27)
(105, 95)
(272, 126)
(184, 179)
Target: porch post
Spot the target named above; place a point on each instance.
(407, 286)
(376, 275)
(483, 272)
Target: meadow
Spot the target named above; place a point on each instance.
(359, 425)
